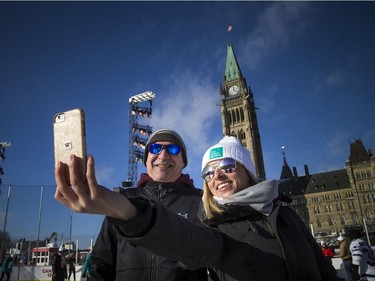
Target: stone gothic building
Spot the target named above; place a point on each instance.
(327, 202)
(330, 201)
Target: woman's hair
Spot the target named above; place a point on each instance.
(210, 206)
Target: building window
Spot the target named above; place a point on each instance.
(368, 214)
(370, 185)
(352, 205)
(355, 219)
(342, 220)
(234, 117)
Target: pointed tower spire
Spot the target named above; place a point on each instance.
(238, 112)
(232, 69)
(286, 172)
(358, 152)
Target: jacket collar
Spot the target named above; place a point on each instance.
(184, 178)
(233, 213)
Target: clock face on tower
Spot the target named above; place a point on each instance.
(233, 90)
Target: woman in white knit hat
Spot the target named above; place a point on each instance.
(237, 204)
(251, 236)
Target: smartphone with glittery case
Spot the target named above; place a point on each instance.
(70, 137)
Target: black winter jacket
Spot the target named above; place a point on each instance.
(114, 258)
(240, 253)
(59, 268)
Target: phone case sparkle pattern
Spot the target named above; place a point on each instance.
(70, 136)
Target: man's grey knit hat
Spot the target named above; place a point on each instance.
(166, 135)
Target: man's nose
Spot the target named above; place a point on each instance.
(163, 154)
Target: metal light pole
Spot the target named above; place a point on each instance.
(70, 231)
(5, 220)
(39, 219)
(135, 141)
(3, 145)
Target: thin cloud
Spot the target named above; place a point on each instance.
(344, 73)
(189, 106)
(336, 145)
(104, 175)
(276, 27)
(335, 78)
(266, 102)
(369, 137)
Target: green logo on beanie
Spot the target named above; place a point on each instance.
(216, 152)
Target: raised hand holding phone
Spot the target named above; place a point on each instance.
(70, 137)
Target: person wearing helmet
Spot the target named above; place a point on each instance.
(363, 257)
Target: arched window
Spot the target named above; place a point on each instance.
(342, 220)
(355, 219)
(319, 223)
(234, 117)
(368, 214)
(241, 135)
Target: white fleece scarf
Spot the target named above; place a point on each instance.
(259, 196)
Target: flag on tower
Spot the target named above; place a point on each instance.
(229, 28)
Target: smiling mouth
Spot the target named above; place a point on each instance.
(222, 185)
(163, 166)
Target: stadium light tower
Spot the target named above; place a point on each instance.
(138, 133)
(3, 145)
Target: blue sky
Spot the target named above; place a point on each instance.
(310, 65)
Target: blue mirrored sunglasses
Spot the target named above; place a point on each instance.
(225, 165)
(172, 149)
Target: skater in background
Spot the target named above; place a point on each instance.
(6, 267)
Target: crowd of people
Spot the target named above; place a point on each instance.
(166, 229)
